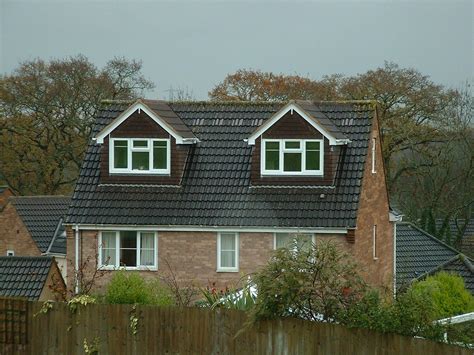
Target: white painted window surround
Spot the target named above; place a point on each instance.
(284, 150)
(10, 253)
(227, 252)
(131, 149)
(114, 247)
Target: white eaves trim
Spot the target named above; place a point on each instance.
(294, 107)
(139, 105)
(119, 227)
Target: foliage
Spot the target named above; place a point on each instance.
(183, 293)
(414, 312)
(46, 112)
(447, 293)
(80, 300)
(242, 299)
(131, 288)
(315, 284)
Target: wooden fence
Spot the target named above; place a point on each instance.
(31, 328)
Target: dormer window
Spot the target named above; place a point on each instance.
(139, 156)
(292, 157)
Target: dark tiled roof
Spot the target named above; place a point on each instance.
(216, 187)
(41, 215)
(418, 252)
(24, 276)
(456, 225)
(461, 266)
(164, 111)
(58, 243)
(318, 116)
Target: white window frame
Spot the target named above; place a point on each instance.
(10, 252)
(313, 238)
(374, 242)
(131, 149)
(374, 142)
(236, 244)
(117, 251)
(284, 150)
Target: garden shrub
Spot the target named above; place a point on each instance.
(131, 288)
(447, 293)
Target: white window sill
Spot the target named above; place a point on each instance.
(227, 270)
(139, 172)
(139, 268)
(292, 174)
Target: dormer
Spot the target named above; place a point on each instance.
(298, 145)
(145, 144)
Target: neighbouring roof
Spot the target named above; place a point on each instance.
(456, 225)
(215, 189)
(24, 276)
(418, 252)
(58, 243)
(41, 215)
(460, 265)
(3, 188)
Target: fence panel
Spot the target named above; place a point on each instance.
(126, 329)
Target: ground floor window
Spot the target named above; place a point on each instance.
(228, 252)
(129, 249)
(294, 241)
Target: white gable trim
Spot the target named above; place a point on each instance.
(139, 105)
(294, 107)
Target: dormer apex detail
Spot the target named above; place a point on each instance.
(158, 111)
(309, 112)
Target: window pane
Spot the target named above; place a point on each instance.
(227, 259)
(147, 258)
(227, 241)
(272, 156)
(108, 248)
(147, 249)
(140, 144)
(120, 154)
(292, 145)
(159, 155)
(147, 240)
(292, 162)
(312, 146)
(108, 239)
(128, 248)
(128, 257)
(128, 239)
(312, 160)
(283, 240)
(140, 161)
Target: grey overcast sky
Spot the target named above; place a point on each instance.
(195, 44)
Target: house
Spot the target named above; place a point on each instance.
(464, 230)
(32, 226)
(34, 277)
(212, 188)
(419, 254)
(5, 193)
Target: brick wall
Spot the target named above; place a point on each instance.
(14, 235)
(374, 210)
(191, 255)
